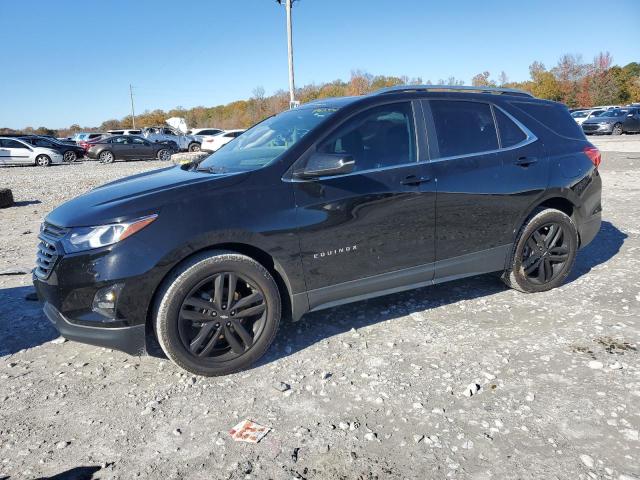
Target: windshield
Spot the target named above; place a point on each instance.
(263, 143)
(613, 113)
(580, 114)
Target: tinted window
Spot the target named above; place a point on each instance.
(120, 140)
(7, 143)
(380, 137)
(136, 140)
(553, 116)
(510, 133)
(39, 142)
(463, 127)
(116, 132)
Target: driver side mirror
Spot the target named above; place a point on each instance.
(325, 165)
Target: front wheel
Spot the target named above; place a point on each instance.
(218, 313)
(194, 147)
(70, 156)
(106, 157)
(544, 253)
(617, 129)
(164, 155)
(43, 160)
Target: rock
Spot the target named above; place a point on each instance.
(325, 375)
(418, 438)
(595, 364)
(615, 366)
(177, 432)
(438, 411)
(59, 340)
(587, 460)
(468, 445)
(62, 444)
(530, 397)
(343, 426)
(471, 390)
(370, 436)
(282, 387)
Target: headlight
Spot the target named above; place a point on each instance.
(87, 238)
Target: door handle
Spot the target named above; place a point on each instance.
(526, 161)
(413, 181)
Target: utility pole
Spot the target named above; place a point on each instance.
(292, 86)
(133, 112)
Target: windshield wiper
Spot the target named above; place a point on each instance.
(212, 169)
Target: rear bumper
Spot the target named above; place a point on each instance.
(131, 339)
(589, 229)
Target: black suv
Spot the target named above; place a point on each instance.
(336, 201)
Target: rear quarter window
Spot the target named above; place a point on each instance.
(553, 116)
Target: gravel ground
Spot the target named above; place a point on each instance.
(462, 380)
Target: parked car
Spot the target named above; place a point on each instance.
(614, 122)
(70, 153)
(204, 131)
(213, 143)
(164, 134)
(325, 204)
(124, 132)
(128, 147)
(85, 136)
(14, 151)
(582, 115)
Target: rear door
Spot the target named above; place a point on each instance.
(488, 169)
(18, 152)
(141, 148)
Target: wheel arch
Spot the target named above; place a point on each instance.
(261, 256)
(555, 200)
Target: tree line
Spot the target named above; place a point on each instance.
(571, 81)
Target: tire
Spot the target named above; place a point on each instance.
(194, 147)
(43, 160)
(617, 129)
(70, 156)
(106, 156)
(6, 198)
(187, 309)
(164, 155)
(535, 251)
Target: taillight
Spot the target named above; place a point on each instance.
(594, 155)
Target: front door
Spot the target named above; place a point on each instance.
(487, 176)
(369, 226)
(18, 152)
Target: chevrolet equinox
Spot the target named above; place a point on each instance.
(336, 201)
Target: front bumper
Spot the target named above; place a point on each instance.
(596, 128)
(131, 340)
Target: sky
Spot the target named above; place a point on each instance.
(71, 62)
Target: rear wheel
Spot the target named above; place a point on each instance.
(106, 156)
(43, 160)
(194, 147)
(617, 129)
(218, 313)
(544, 253)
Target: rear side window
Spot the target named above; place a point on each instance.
(463, 128)
(510, 133)
(555, 117)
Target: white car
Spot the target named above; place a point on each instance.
(17, 152)
(204, 131)
(124, 132)
(214, 142)
(581, 115)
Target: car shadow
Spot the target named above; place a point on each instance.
(316, 326)
(24, 203)
(22, 322)
(76, 473)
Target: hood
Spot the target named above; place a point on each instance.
(138, 195)
(178, 123)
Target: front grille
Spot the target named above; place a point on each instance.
(48, 254)
(589, 127)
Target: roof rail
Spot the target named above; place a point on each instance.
(452, 88)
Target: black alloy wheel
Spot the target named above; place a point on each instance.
(222, 317)
(545, 253)
(217, 313)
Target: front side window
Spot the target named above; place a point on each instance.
(137, 141)
(8, 143)
(379, 137)
(463, 128)
(120, 140)
(510, 133)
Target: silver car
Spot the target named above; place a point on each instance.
(17, 152)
